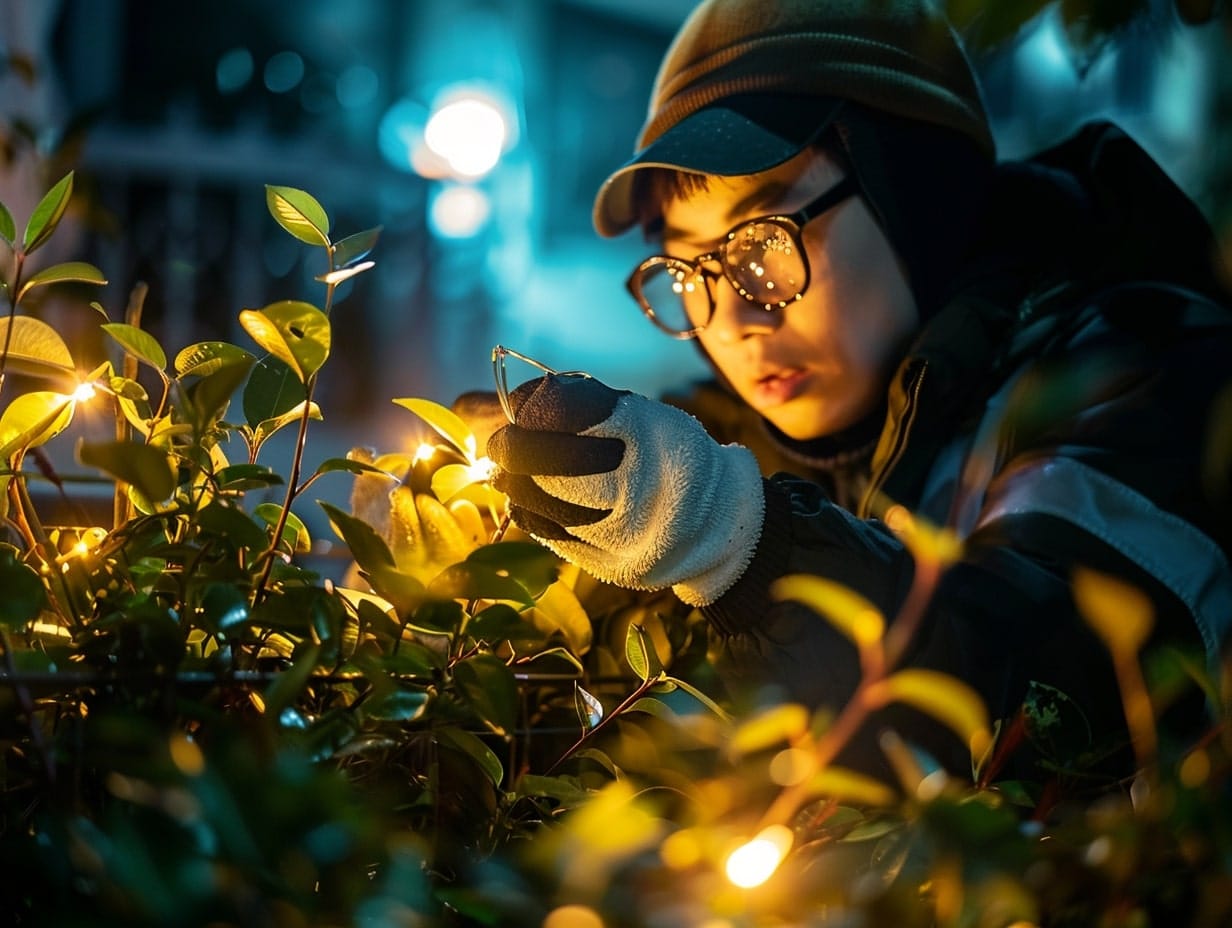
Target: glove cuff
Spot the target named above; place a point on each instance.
(730, 541)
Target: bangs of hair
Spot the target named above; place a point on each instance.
(654, 188)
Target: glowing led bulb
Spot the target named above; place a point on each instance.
(753, 863)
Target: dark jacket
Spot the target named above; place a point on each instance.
(1058, 412)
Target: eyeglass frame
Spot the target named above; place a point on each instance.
(499, 374)
(793, 224)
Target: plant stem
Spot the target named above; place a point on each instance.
(19, 260)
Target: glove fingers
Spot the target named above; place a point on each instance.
(556, 403)
(528, 496)
(521, 451)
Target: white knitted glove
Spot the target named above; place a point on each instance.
(633, 491)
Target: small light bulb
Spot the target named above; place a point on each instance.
(753, 863)
(83, 393)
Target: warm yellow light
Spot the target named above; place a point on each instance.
(424, 452)
(753, 863)
(83, 393)
(481, 470)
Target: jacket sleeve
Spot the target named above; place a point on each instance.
(1110, 482)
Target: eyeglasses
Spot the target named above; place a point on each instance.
(501, 374)
(763, 259)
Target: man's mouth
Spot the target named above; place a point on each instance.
(779, 386)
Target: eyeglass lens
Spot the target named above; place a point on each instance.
(762, 261)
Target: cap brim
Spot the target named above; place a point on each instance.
(733, 136)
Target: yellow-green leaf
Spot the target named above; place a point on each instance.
(205, 358)
(33, 419)
(848, 786)
(1122, 615)
(296, 333)
(140, 344)
(558, 610)
(78, 271)
(948, 700)
(445, 422)
(47, 214)
(780, 724)
(299, 213)
(848, 611)
(37, 350)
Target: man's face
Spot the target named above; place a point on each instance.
(821, 364)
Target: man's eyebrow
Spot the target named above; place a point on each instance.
(756, 198)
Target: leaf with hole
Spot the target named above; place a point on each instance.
(296, 333)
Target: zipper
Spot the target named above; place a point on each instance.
(911, 407)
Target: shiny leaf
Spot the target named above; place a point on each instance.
(33, 419)
(471, 746)
(295, 332)
(47, 214)
(589, 709)
(272, 389)
(641, 654)
(8, 231)
(299, 213)
(295, 535)
(36, 349)
(139, 343)
(205, 358)
(354, 247)
(333, 278)
(445, 422)
(78, 271)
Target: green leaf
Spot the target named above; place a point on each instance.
(139, 343)
(47, 214)
(24, 594)
(295, 332)
(354, 247)
(332, 465)
(367, 547)
(294, 534)
(268, 427)
(36, 349)
(299, 213)
(143, 467)
(8, 231)
(530, 564)
(210, 396)
(205, 358)
(471, 746)
(445, 422)
(223, 607)
(247, 477)
(470, 580)
(272, 389)
(641, 654)
(286, 689)
(501, 622)
(58, 273)
(399, 705)
(589, 709)
(488, 686)
(233, 525)
(33, 419)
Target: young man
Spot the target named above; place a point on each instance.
(1029, 354)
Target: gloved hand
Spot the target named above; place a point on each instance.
(633, 491)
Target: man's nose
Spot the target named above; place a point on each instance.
(736, 318)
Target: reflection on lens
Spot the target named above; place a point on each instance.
(764, 260)
(677, 295)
